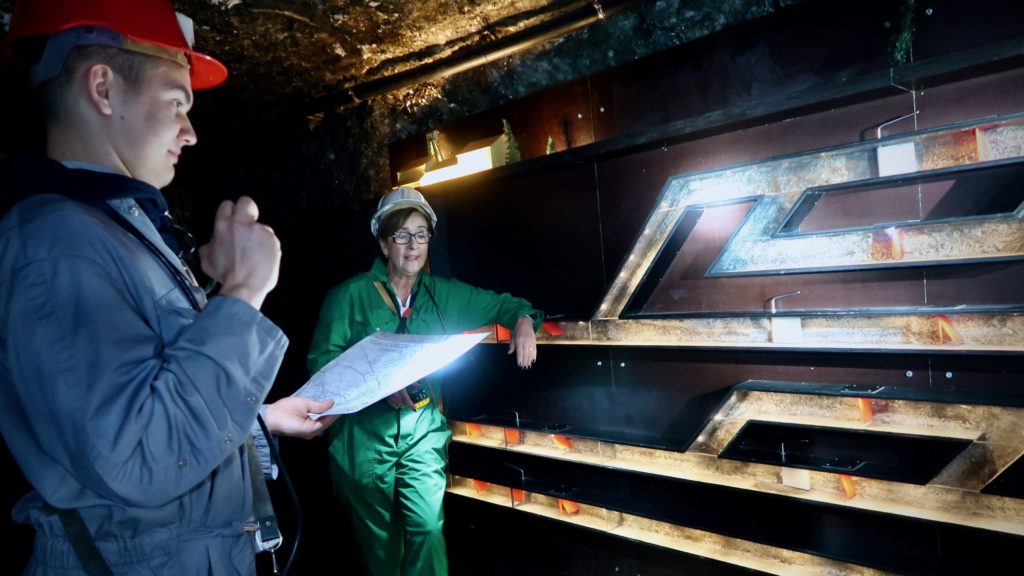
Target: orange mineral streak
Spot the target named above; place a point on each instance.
(474, 430)
(568, 507)
(518, 496)
(480, 486)
(896, 244)
(553, 329)
(867, 411)
(983, 145)
(513, 436)
(947, 332)
(561, 441)
(849, 488)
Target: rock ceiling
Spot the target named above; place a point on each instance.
(282, 51)
(288, 53)
(315, 55)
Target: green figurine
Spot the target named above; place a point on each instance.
(511, 147)
(551, 145)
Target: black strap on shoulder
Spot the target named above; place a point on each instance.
(184, 283)
(392, 301)
(81, 540)
(417, 394)
(26, 176)
(403, 319)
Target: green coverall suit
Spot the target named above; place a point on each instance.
(389, 464)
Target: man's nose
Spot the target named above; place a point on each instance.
(188, 135)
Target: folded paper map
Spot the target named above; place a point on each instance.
(380, 365)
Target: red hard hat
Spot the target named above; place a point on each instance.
(146, 22)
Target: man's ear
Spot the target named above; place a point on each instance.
(99, 80)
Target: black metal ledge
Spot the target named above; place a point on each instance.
(488, 539)
(1010, 481)
(879, 540)
(664, 398)
(896, 457)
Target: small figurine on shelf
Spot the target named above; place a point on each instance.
(433, 148)
(551, 146)
(511, 146)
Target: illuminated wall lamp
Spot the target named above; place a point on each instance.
(475, 157)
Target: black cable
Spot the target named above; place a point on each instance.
(436, 307)
(275, 457)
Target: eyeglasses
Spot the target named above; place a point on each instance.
(403, 237)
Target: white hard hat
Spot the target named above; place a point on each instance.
(397, 199)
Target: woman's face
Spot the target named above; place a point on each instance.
(407, 259)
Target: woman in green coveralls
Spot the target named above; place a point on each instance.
(388, 460)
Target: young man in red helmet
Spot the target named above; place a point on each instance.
(127, 396)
